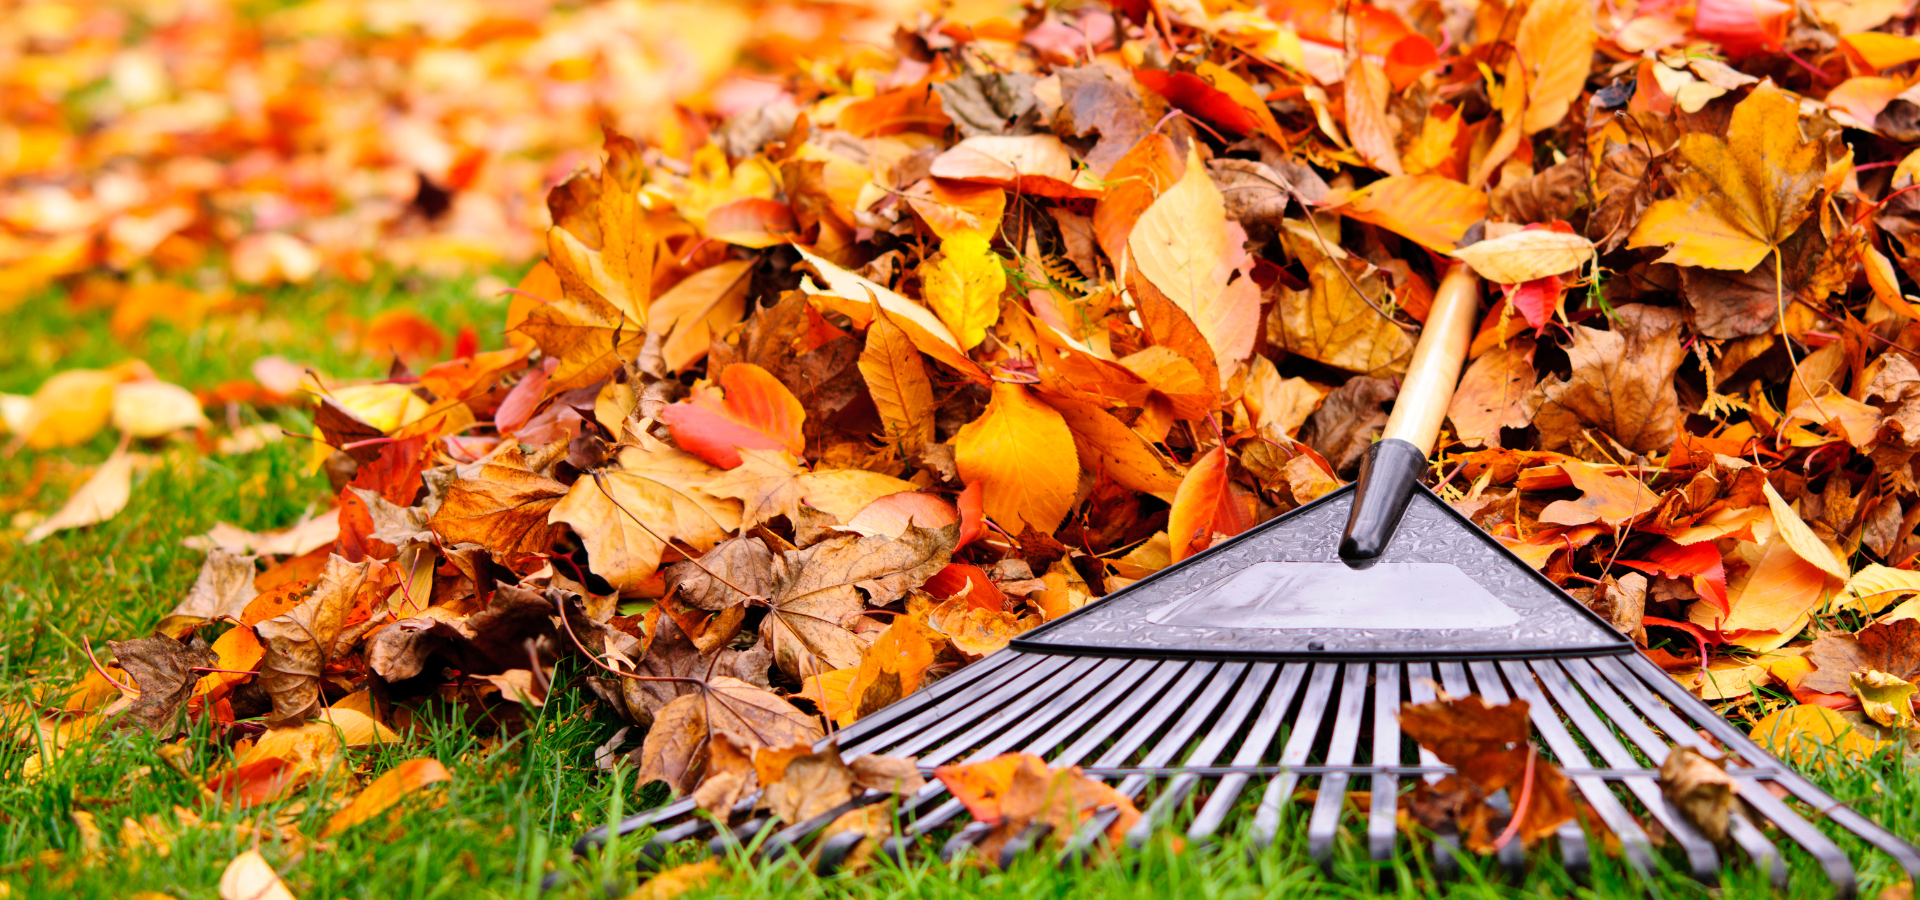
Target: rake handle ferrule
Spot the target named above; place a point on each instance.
(1393, 465)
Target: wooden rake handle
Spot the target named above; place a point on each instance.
(1394, 464)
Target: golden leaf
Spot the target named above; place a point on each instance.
(897, 380)
(1741, 195)
(1184, 245)
(1021, 451)
(623, 513)
(963, 285)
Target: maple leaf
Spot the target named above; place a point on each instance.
(505, 507)
(300, 642)
(1738, 197)
(1892, 648)
(1622, 383)
(1489, 749)
(1332, 322)
(625, 514)
(163, 670)
(1018, 450)
(1017, 791)
(678, 745)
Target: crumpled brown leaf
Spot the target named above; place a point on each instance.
(163, 670)
(1889, 647)
(300, 642)
(677, 748)
(1699, 787)
(1622, 384)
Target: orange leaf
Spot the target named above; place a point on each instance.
(1430, 210)
(1021, 453)
(1205, 506)
(385, 791)
(1700, 561)
(1609, 499)
(757, 412)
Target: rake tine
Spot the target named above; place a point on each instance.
(1181, 694)
(938, 720)
(597, 838)
(1624, 717)
(1453, 677)
(1251, 691)
(1135, 694)
(1324, 824)
(1903, 853)
(1306, 729)
(1253, 748)
(1632, 839)
(1381, 806)
(1175, 740)
(1833, 861)
(734, 840)
(992, 670)
(1512, 855)
(1701, 858)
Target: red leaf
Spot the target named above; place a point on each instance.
(1191, 94)
(1700, 561)
(1537, 299)
(973, 513)
(959, 578)
(1204, 506)
(750, 410)
(257, 782)
(752, 222)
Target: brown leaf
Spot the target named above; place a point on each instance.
(223, 588)
(1493, 394)
(624, 513)
(1102, 99)
(1622, 383)
(1889, 647)
(504, 507)
(1344, 426)
(1608, 499)
(299, 643)
(1699, 787)
(163, 670)
(1019, 790)
(1331, 322)
(1488, 748)
(678, 746)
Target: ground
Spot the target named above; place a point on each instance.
(516, 802)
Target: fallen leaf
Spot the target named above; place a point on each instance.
(151, 409)
(1741, 196)
(1019, 450)
(385, 791)
(504, 508)
(625, 514)
(752, 410)
(1526, 255)
(897, 379)
(1621, 383)
(249, 877)
(101, 497)
(300, 642)
(1205, 506)
(1885, 699)
(1493, 394)
(1185, 246)
(1700, 789)
(677, 747)
(963, 285)
(1809, 735)
(162, 668)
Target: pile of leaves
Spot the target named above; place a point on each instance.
(813, 407)
(265, 145)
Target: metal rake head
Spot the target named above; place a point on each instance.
(1194, 742)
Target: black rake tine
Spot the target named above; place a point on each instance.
(1846, 817)
(933, 721)
(1599, 796)
(1253, 748)
(1157, 675)
(1306, 729)
(1625, 717)
(1324, 823)
(1702, 860)
(1833, 861)
(1086, 678)
(1252, 688)
(1384, 802)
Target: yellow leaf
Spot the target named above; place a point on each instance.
(1106, 446)
(1021, 452)
(70, 408)
(1886, 699)
(1790, 528)
(1185, 248)
(677, 880)
(1740, 196)
(1776, 595)
(249, 877)
(1872, 588)
(1805, 734)
(385, 791)
(1332, 323)
(705, 303)
(627, 249)
(856, 298)
(1526, 255)
(384, 406)
(150, 409)
(622, 513)
(897, 380)
(1555, 47)
(1724, 679)
(963, 286)
(772, 483)
(99, 499)
(1430, 210)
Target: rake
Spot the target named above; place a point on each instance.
(1277, 661)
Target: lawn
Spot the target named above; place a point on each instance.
(104, 820)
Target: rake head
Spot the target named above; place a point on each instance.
(1253, 671)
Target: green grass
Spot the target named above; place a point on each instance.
(516, 802)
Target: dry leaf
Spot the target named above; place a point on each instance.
(101, 497)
